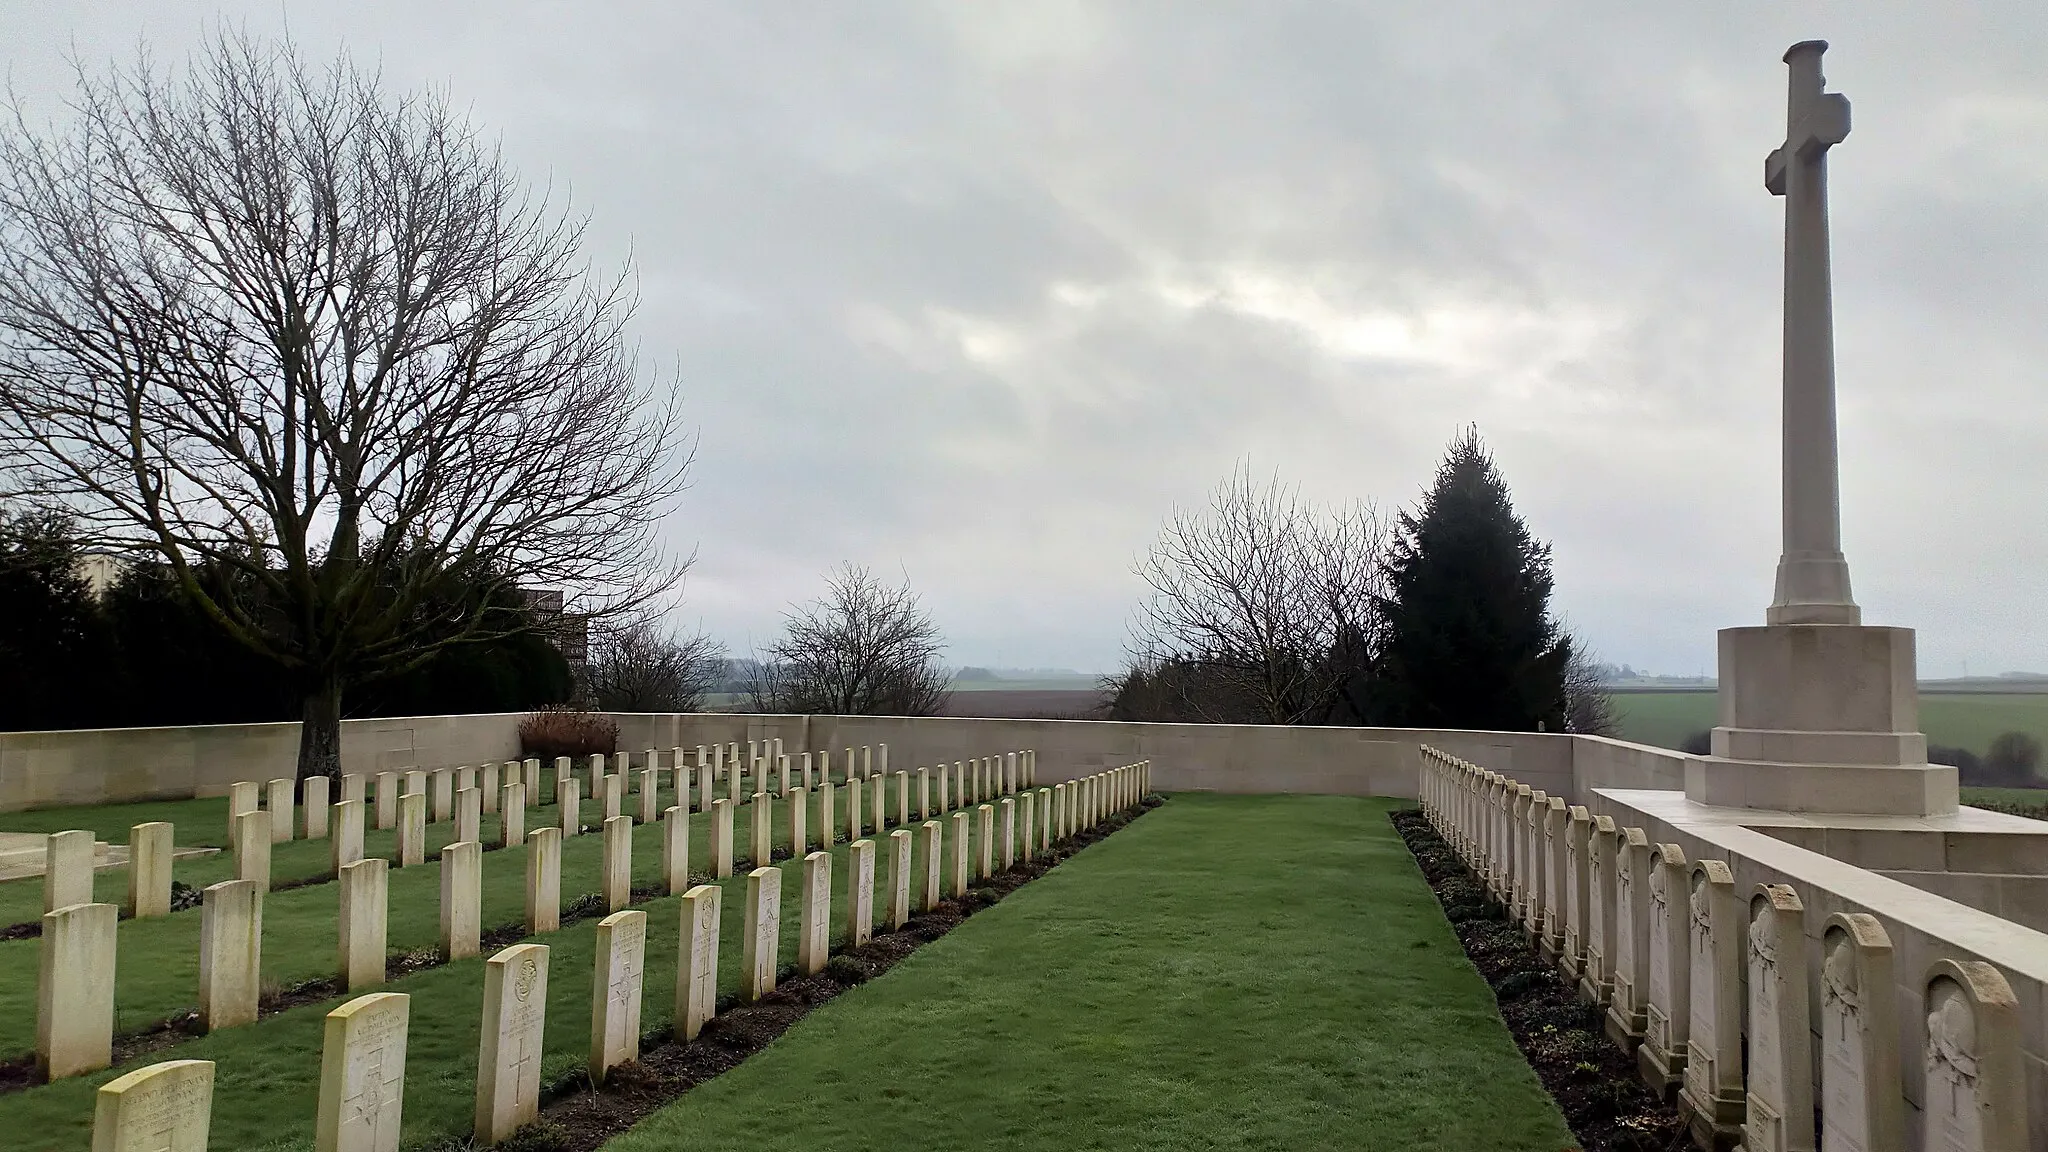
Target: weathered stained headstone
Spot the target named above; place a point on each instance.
(1859, 1038)
(347, 845)
(316, 808)
(75, 991)
(675, 848)
(412, 830)
(509, 1046)
(415, 784)
(1667, 1006)
(469, 815)
(544, 880)
(697, 961)
(650, 795)
(860, 892)
(854, 788)
(799, 821)
(721, 838)
(985, 841)
(1596, 977)
(615, 988)
(1712, 1092)
(164, 1107)
(782, 775)
(387, 801)
(569, 807)
(618, 862)
(230, 954)
(149, 871)
(1976, 1082)
(362, 1074)
(243, 796)
(512, 814)
(1630, 971)
(932, 858)
(897, 911)
(814, 914)
(252, 848)
(441, 788)
(763, 927)
(761, 830)
(1778, 1107)
(359, 943)
(67, 869)
(462, 898)
(465, 777)
(959, 845)
(355, 786)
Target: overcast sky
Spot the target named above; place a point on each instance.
(978, 293)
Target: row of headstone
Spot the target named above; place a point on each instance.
(1713, 994)
(167, 1107)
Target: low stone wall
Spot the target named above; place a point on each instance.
(116, 765)
(120, 765)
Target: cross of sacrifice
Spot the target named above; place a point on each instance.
(1813, 578)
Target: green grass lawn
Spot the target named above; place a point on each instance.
(266, 1087)
(1962, 720)
(1228, 972)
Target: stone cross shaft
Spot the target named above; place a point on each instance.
(1813, 577)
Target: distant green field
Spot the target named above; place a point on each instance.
(1959, 719)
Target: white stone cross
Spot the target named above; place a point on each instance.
(1813, 577)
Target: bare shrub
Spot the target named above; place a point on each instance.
(571, 732)
(640, 668)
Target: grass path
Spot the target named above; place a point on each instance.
(1228, 972)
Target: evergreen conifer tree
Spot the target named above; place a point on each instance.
(1469, 641)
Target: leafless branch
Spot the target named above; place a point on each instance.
(262, 316)
(864, 649)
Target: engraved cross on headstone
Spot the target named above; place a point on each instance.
(1813, 577)
(374, 1094)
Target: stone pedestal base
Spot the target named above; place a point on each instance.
(1660, 1069)
(1820, 718)
(1845, 789)
(1625, 1029)
(1595, 992)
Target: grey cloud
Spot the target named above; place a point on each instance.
(979, 292)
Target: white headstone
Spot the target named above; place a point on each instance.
(75, 991)
(931, 857)
(675, 848)
(1976, 1084)
(697, 963)
(615, 992)
(860, 892)
(1667, 1008)
(462, 898)
(362, 1075)
(763, 933)
(509, 1049)
(1778, 1109)
(149, 870)
(166, 1107)
(1859, 1038)
(544, 880)
(814, 914)
(361, 924)
(230, 954)
(347, 845)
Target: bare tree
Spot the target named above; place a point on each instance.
(1588, 708)
(864, 649)
(638, 667)
(261, 318)
(1260, 606)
